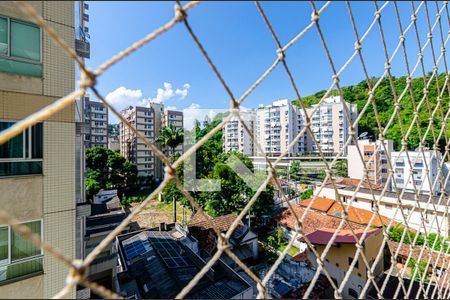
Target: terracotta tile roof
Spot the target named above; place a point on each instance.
(354, 183)
(321, 203)
(323, 235)
(433, 256)
(223, 223)
(357, 215)
(300, 257)
(312, 221)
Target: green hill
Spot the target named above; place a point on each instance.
(384, 100)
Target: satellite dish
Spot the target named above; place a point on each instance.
(363, 134)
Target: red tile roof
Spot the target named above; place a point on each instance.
(358, 215)
(435, 258)
(321, 203)
(312, 221)
(223, 223)
(300, 257)
(323, 235)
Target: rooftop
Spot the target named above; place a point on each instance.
(353, 182)
(334, 208)
(323, 235)
(158, 264)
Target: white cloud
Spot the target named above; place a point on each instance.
(167, 92)
(169, 107)
(195, 112)
(123, 97)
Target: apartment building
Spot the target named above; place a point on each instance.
(37, 167)
(413, 206)
(277, 125)
(132, 147)
(330, 125)
(174, 118)
(96, 114)
(424, 165)
(236, 137)
(376, 163)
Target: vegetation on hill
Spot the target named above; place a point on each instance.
(384, 100)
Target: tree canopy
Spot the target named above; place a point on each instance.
(107, 169)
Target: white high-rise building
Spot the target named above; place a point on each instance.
(330, 125)
(236, 137)
(419, 162)
(277, 125)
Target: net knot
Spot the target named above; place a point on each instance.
(315, 17)
(420, 55)
(335, 78)
(170, 172)
(443, 49)
(413, 17)
(425, 91)
(77, 273)
(408, 79)
(281, 55)
(430, 35)
(375, 208)
(222, 243)
(387, 66)
(88, 78)
(377, 15)
(402, 38)
(261, 288)
(180, 13)
(358, 46)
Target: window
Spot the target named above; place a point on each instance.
(20, 47)
(350, 259)
(352, 293)
(19, 256)
(22, 155)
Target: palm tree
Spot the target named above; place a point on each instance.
(170, 137)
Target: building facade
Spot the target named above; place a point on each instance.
(277, 125)
(173, 118)
(132, 147)
(236, 137)
(376, 163)
(330, 125)
(37, 167)
(96, 114)
(420, 180)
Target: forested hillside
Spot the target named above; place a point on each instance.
(384, 99)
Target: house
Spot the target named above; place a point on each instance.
(342, 253)
(157, 263)
(435, 214)
(244, 242)
(320, 223)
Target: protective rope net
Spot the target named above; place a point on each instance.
(436, 18)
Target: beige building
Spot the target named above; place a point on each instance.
(132, 147)
(330, 125)
(377, 166)
(96, 114)
(37, 168)
(236, 137)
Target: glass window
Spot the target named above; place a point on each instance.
(22, 248)
(25, 41)
(3, 36)
(13, 148)
(3, 244)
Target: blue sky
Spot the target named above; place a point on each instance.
(242, 48)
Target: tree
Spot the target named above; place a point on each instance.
(280, 235)
(107, 169)
(170, 137)
(294, 170)
(235, 193)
